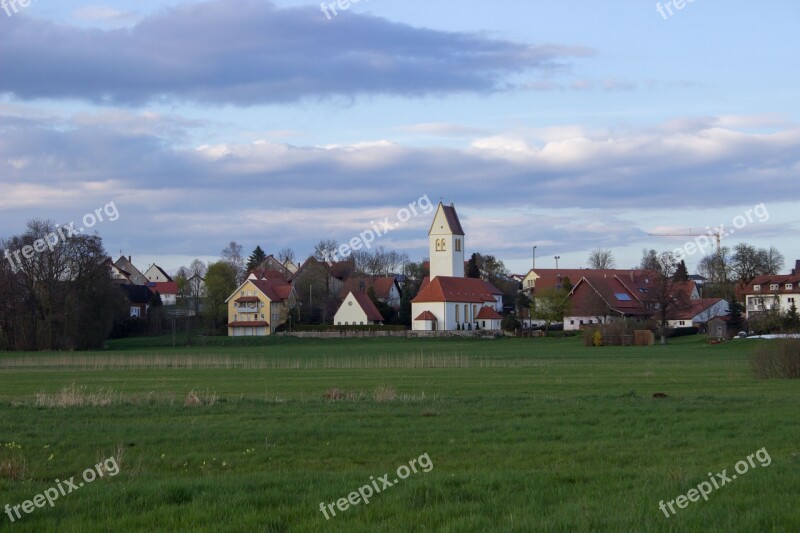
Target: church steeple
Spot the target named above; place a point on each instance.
(446, 243)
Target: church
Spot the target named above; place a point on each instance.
(447, 300)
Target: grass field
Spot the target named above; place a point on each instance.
(522, 435)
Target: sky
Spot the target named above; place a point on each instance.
(566, 125)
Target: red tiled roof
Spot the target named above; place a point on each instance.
(382, 285)
(488, 313)
(426, 315)
(692, 308)
(781, 280)
(373, 315)
(276, 290)
(163, 287)
(448, 289)
(592, 294)
(250, 324)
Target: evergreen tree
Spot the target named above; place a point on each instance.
(735, 319)
(155, 300)
(566, 284)
(256, 258)
(473, 266)
(681, 273)
(792, 319)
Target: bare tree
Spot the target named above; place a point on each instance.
(287, 254)
(665, 295)
(326, 250)
(601, 259)
(232, 255)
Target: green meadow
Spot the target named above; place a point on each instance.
(522, 434)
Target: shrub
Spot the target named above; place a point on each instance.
(597, 338)
(777, 360)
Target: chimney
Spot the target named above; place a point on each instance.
(130, 260)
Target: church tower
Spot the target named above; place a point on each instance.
(446, 243)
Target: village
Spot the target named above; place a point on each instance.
(449, 293)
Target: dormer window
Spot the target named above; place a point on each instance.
(774, 287)
(757, 288)
(789, 286)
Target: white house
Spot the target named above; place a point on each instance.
(357, 309)
(156, 274)
(697, 313)
(772, 293)
(447, 300)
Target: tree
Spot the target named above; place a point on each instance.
(58, 294)
(551, 305)
(473, 269)
(735, 316)
(232, 255)
(286, 254)
(665, 295)
(220, 283)
(326, 250)
(256, 258)
(792, 319)
(649, 260)
(155, 300)
(773, 261)
(681, 272)
(566, 284)
(601, 259)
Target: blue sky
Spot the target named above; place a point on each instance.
(568, 125)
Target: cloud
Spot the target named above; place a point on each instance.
(103, 14)
(250, 52)
(183, 197)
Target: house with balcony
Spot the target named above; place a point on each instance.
(772, 293)
(258, 306)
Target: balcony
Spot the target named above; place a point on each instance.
(247, 310)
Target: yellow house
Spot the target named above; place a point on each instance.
(258, 306)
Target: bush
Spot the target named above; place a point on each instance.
(777, 360)
(510, 323)
(597, 338)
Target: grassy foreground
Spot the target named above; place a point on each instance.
(522, 435)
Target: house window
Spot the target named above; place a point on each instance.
(444, 248)
(458, 245)
(457, 317)
(789, 286)
(790, 300)
(683, 322)
(773, 287)
(135, 312)
(571, 322)
(466, 313)
(757, 288)
(581, 322)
